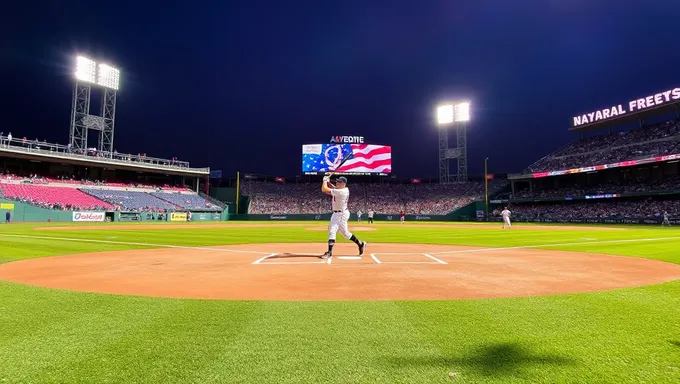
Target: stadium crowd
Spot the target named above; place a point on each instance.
(657, 140)
(387, 198)
(668, 184)
(595, 209)
(69, 193)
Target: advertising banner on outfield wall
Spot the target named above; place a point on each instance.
(89, 216)
(178, 216)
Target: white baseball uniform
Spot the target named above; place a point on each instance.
(359, 213)
(506, 218)
(665, 219)
(340, 214)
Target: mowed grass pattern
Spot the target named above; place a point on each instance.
(621, 336)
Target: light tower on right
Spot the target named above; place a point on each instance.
(456, 116)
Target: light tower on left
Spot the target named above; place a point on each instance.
(89, 74)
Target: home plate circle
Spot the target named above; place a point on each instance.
(349, 257)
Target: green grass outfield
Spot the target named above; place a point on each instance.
(621, 336)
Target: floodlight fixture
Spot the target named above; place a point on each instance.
(86, 70)
(109, 77)
(462, 112)
(445, 114)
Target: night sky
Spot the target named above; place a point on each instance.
(241, 85)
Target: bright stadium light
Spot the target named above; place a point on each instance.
(445, 114)
(462, 112)
(86, 69)
(109, 77)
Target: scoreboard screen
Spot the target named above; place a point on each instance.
(365, 159)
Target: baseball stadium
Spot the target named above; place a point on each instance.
(127, 268)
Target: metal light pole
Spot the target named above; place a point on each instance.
(486, 188)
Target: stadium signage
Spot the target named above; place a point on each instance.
(178, 216)
(637, 105)
(88, 216)
(347, 139)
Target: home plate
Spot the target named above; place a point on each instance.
(349, 257)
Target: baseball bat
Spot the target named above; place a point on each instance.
(341, 163)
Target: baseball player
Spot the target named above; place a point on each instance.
(359, 213)
(370, 216)
(340, 194)
(402, 216)
(665, 220)
(506, 218)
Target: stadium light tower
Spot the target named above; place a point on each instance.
(87, 75)
(456, 115)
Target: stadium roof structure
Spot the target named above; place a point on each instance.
(59, 153)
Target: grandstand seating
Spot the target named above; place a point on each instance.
(53, 197)
(389, 198)
(187, 201)
(611, 208)
(657, 140)
(131, 200)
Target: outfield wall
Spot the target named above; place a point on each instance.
(22, 212)
(327, 216)
(598, 220)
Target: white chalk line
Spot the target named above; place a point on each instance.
(474, 250)
(261, 259)
(71, 239)
(377, 261)
(435, 259)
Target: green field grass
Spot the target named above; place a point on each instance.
(621, 336)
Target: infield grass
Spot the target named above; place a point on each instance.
(621, 336)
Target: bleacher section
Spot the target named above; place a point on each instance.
(65, 194)
(131, 200)
(657, 140)
(53, 197)
(187, 201)
(387, 198)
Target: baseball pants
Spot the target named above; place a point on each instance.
(339, 223)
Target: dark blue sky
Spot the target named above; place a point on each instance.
(241, 85)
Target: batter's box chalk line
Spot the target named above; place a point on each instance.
(282, 259)
(384, 261)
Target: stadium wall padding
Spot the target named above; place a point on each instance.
(326, 217)
(22, 212)
(228, 195)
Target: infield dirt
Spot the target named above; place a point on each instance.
(295, 272)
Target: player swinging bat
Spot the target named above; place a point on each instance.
(340, 216)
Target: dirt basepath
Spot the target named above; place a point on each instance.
(294, 272)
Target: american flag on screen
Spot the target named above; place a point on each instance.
(365, 158)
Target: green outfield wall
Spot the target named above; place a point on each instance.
(327, 216)
(22, 212)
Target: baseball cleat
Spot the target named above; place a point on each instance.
(326, 255)
(362, 247)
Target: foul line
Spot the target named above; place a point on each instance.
(435, 259)
(377, 261)
(132, 243)
(554, 245)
